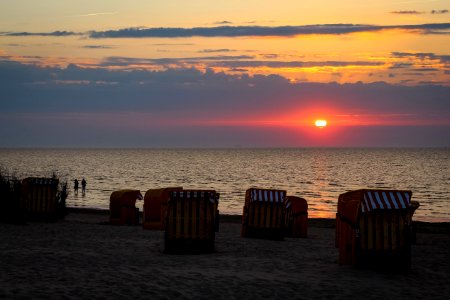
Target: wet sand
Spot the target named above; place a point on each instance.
(83, 257)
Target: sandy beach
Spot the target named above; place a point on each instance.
(83, 257)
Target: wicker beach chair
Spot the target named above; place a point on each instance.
(122, 207)
(374, 228)
(264, 214)
(297, 217)
(155, 206)
(191, 221)
(40, 199)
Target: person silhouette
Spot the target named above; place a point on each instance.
(83, 186)
(75, 186)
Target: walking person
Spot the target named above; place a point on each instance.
(83, 186)
(75, 186)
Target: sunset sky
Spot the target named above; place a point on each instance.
(199, 73)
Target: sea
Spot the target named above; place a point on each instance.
(319, 175)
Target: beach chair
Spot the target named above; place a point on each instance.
(264, 214)
(155, 206)
(40, 199)
(191, 221)
(122, 207)
(297, 217)
(374, 228)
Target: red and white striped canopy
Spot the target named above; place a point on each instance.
(385, 200)
(262, 195)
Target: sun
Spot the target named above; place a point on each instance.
(321, 123)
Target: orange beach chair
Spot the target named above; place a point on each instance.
(374, 228)
(297, 217)
(191, 221)
(264, 214)
(155, 206)
(122, 207)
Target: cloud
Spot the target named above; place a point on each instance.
(98, 14)
(239, 31)
(75, 89)
(439, 12)
(416, 12)
(223, 23)
(54, 33)
(292, 64)
(216, 50)
(407, 12)
(401, 65)
(423, 55)
(186, 107)
(242, 31)
(118, 61)
(98, 47)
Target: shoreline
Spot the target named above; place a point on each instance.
(421, 226)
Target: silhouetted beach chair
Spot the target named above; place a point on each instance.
(191, 221)
(264, 214)
(122, 207)
(297, 217)
(155, 206)
(40, 199)
(374, 228)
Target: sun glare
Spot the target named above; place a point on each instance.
(321, 123)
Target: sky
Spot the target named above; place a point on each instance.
(199, 73)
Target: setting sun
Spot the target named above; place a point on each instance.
(321, 123)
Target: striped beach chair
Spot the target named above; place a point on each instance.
(264, 214)
(374, 228)
(155, 206)
(40, 198)
(191, 221)
(122, 207)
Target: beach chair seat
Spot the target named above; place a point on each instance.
(155, 206)
(264, 214)
(191, 221)
(122, 207)
(297, 217)
(374, 228)
(40, 198)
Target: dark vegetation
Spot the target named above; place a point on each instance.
(12, 192)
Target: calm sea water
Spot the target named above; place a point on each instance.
(318, 175)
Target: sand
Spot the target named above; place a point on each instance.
(83, 257)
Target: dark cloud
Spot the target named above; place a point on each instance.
(216, 50)
(29, 88)
(401, 65)
(416, 12)
(101, 107)
(118, 61)
(223, 23)
(423, 55)
(241, 31)
(426, 69)
(407, 12)
(439, 12)
(98, 47)
(54, 33)
(237, 31)
(292, 64)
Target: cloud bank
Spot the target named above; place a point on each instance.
(72, 107)
(242, 31)
(239, 31)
